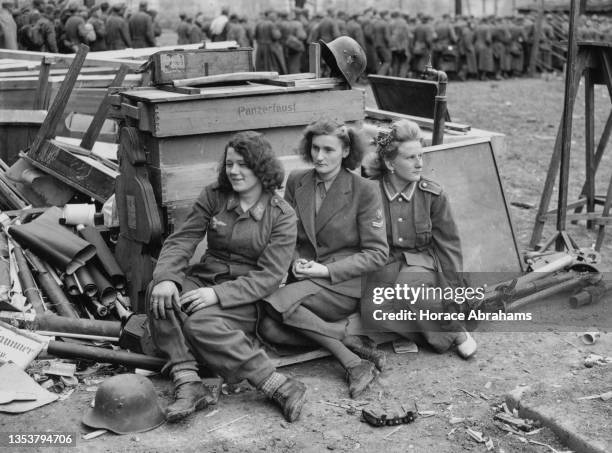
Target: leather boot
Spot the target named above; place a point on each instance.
(291, 397)
(359, 377)
(188, 398)
(366, 350)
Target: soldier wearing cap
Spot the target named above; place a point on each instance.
(400, 45)
(117, 30)
(382, 38)
(183, 29)
(141, 27)
(8, 27)
(424, 38)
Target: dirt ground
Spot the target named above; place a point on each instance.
(460, 394)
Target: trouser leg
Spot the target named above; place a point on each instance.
(441, 335)
(324, 313)
(168, 338)
(322, 317)
(272, 329)
(219, 337)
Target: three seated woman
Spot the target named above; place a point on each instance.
(331, 231)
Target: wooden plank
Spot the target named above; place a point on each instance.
(244, 76)
(183, 149)
(328, 82)
(168, 66)
(66, 59)
(299, 358)
(180, 183)
(596, 217)
(22, 117)
(155, 95)
(47, 130)
(256, 112)
(91, 135)
(54, 72)
(41, 98)
(314, 59)
(423, 122)
(85, 174)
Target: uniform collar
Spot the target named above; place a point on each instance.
(392, 194)
(256, 211)
(327, 182)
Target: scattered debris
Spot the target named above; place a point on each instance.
(603, 396)
(456, 420)
(59, 368)
(469, 393)
(223, 425)
(389, 414)
(515, 422)
(211, 413)
(522, 205)
(94, 434)
(596, 359)
(393, 432)
(590, 338)
(403, 346)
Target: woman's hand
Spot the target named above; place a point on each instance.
(165, 296)
(309, 269)
(197, 299)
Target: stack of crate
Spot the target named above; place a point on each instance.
(183, 136)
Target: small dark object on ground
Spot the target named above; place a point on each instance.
(389, 414)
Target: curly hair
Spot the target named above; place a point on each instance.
(387, 145)
(350, 138)
(258, 156)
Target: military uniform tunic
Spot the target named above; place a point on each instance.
(246, 259)
(425, 249)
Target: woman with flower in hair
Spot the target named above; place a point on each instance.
(425, 250)
(341, 237)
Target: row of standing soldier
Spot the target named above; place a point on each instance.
(399, 44)
(62, 27)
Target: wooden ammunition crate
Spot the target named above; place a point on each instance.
(184, 64)
(166, 114)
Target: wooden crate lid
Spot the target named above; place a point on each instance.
(20, 117)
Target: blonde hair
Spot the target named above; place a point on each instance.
(387, 145)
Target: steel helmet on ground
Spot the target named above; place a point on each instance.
(125, 403)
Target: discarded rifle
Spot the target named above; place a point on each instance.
(549, 279)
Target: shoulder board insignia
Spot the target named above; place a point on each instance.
(430, 186)
(280, 203)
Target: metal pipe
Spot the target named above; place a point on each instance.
(69, 325)
(28, 285)
(581, 279)
(55, 295)
(440, 103)
(130, 359)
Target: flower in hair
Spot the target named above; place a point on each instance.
(383, 139)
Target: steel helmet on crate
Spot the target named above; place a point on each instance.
(125, 403)
(345, 57)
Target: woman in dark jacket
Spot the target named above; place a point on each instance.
(425, 249)
(341, 237)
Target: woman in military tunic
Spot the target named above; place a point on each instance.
(425, 250)
(204, 313)
(341, 236)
